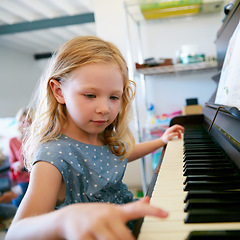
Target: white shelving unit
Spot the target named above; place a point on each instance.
(132, 10)
(177, 68)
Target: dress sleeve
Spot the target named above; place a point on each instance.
(12, 158)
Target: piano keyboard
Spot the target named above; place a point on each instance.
(192, 171)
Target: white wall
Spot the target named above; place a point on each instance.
(163, 39)
(168, 93)
(19, 73)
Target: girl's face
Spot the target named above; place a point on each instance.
(93, 98)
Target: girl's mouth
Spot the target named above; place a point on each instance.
(99, 122)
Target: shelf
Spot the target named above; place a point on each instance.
(177, 68)
(149, 11)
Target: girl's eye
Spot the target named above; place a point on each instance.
(90, 96)
(114, 97)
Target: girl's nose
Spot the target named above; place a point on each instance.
(103, 107)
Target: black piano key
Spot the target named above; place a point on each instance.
(192, 143)
(202, 152)
(205, 153)
(211, 185)
(225, 177)
(210, 194)
(214, 162)
(212, 215)
(204, 149)
(197, 147)
(209, 146)
(197, 141)
(226, 204)
(214, 235)
(224, 160)
(199, 165)
(202, 156)
(199, 134)
(201, 146)
(209, 171)
(192, 133)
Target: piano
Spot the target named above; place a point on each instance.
(197, 179)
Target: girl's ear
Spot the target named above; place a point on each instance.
(57, 91)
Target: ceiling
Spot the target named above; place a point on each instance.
(41, 26)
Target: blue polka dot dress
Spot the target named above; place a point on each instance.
(91, 173)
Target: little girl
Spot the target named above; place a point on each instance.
(19, 175)
(79, 142)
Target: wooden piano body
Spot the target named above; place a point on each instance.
(198, 184)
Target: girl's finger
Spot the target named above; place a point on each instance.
(142, 208)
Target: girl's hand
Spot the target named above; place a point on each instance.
(105, 221)
(171, 132)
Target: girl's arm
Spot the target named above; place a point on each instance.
(144, 148)
(37, 219)
(40, 198)
(85, 221)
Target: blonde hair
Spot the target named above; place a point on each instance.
(50, 116)
(25, 112)
(22, 112)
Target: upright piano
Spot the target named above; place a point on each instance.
(198, 177)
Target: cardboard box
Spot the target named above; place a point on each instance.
(192, 109)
